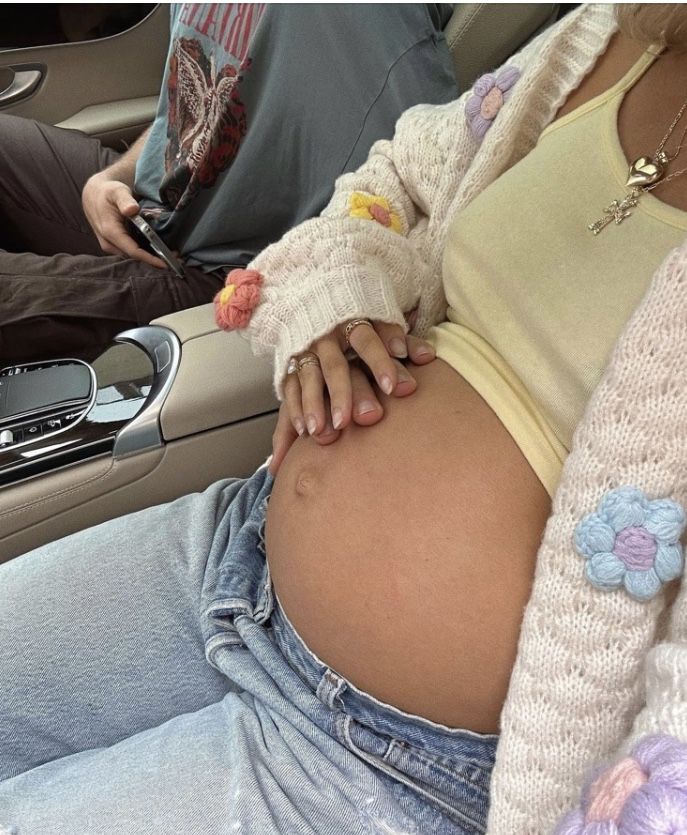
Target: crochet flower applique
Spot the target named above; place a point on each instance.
(489, 93)
(235, 302)
(371, 207)
(632, 541)
(642, 794)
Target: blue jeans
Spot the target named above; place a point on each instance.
(151, 683)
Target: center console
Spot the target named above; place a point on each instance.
(64, 411)
(165, 410)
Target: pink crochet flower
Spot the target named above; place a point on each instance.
(234, 304)
(490, 92)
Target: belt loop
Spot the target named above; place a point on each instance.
(330, 688)
(264, 605)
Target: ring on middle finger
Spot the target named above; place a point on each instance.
(348, 329)
(308, 359)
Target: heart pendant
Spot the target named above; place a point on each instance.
(644, 171)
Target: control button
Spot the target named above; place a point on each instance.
(32, 431)
(10, 437)
(11, 370)
(52, 425)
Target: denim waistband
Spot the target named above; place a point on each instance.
(372, 714)
(450, 767)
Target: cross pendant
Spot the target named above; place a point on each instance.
(617, 211)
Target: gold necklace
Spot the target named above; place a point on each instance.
(644, 174)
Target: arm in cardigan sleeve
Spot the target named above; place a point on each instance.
(340, 266)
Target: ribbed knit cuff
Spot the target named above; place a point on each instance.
(304, 324)
(324, 273)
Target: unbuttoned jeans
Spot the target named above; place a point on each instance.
(151, 683)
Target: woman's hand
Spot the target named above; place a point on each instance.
(284, 435)
(327, 392)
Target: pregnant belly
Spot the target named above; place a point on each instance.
(404, 553)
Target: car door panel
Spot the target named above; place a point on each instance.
(117, 121)
(120, 76)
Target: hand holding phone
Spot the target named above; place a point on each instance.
(107, 204)
(143, 232)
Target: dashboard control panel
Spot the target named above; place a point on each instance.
(39, 400)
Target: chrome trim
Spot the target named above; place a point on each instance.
(163, 348)
(36, 453)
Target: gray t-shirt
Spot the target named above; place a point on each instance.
(263, 106)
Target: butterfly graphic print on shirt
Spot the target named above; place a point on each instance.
(207, 121)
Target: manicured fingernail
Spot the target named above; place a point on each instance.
(424, 352)
(311, 423)
(364, 407)
(386, 384)
(398, 348)
(403, 375)
(299, 426)
(337, 417)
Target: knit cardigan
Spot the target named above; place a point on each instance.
(595, 670)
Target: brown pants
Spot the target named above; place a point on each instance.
(60, 295)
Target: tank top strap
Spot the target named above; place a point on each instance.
(640, 66)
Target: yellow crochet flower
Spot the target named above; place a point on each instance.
(226, 293)
(376, 208)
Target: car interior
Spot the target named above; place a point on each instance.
(171, 407)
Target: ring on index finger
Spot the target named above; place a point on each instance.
(351, 326)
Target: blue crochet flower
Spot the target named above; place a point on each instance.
(632, 541)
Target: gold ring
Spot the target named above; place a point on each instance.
(292, 367)
(354, 324)
(308, 359)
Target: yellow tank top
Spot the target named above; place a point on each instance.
(535, 300)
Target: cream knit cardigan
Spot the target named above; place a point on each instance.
(586, 679)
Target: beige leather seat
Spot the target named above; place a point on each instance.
(481, 36)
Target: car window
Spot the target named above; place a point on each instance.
(42, 24)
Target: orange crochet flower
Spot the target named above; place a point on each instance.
(234, 304)
(370, 207)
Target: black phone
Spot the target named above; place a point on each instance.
(146, 236)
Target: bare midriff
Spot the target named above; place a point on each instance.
(404, 553)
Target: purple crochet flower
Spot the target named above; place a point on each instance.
(490, 92)
(641, 794)
(632, 541)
